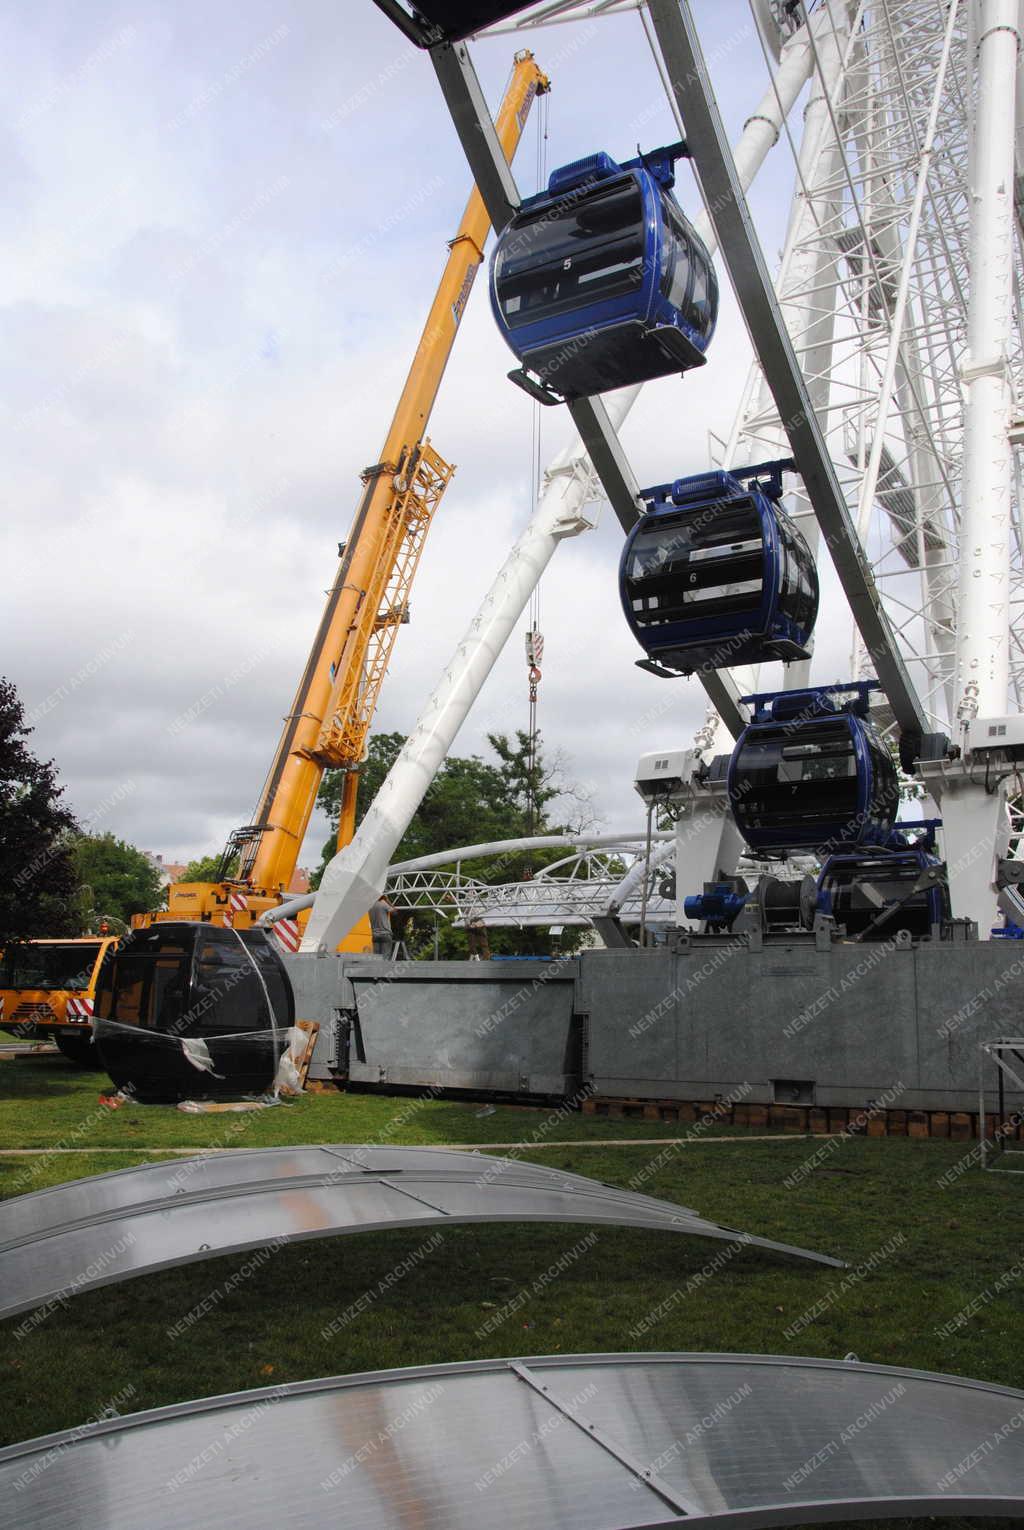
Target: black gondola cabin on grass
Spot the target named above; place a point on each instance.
(203, 983)
(811, 771)
(716, 574)
(600, 281)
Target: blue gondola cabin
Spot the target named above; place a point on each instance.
(600, 281)
(716, 574)
(811, 772)
(873, 894)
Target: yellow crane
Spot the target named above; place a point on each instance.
(330, 718)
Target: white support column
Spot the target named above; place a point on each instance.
(708, 846)
(801, 282)
(983, 636)
(974, 836)
(975, 819)
(356, 875)
(807, 283)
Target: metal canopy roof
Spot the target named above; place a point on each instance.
(587, 1442)
(54, 1243)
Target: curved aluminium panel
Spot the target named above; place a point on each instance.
(587, 1442)
(54, 1243)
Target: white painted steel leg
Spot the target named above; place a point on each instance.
(356, 875)
(974, 836)
(974, 819)
(983, 628)
(708, 846)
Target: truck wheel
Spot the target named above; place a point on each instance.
(81, 1050)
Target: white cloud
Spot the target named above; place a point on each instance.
(209, 309)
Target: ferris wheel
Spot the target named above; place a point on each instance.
(874, 282)
(889, 351)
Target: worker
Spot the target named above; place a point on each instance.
(476, 936)
(380, 928)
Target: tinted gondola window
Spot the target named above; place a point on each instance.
(145, 987)
(168, 993)
(798, 590)
(703, 303)
(582, 249)
(885, 788)
(815, 774)
(697, 566)
(270, 969)
(229, 995)
(677, 271)
(689, 283)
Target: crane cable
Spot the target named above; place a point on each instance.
(534, 637)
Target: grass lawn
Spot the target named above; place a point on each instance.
(919, 1255)
(45, 1102)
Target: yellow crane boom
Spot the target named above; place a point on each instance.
(331, 714)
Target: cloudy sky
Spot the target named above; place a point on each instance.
(224, 225)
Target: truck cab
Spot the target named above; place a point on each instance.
(48, 989)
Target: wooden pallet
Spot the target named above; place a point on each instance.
(311, 1028)
(960, 1126)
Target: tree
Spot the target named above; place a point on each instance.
(470, 801)
(116, 878)
(38, 883)
(207, 869)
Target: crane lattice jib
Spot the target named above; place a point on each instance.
(333, 701)
(385, 607)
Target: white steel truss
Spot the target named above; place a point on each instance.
(574, 891)
(874, 282)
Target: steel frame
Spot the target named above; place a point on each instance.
(999, 1052)
(741, 250)
(595, 880)
(882, 212)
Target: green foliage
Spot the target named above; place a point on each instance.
(116, 878)
(207, 869)
(470, 801)
(525, 780)
(37, 874)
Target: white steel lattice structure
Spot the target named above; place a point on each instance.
(583, 888)
(899, 285)
(874, 283)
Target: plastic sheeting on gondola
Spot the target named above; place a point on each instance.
(178, 978)
(198, 1054)
(287, 1083)
(229, 1053)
